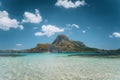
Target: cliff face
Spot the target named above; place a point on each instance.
(60, 38)
(62, 44)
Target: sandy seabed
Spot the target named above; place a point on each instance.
(58, 67)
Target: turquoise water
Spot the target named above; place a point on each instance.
(59, 67)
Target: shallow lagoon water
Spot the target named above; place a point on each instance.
(59, 67)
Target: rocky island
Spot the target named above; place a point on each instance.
(63, 44)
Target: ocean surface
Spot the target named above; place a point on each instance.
(57, 66)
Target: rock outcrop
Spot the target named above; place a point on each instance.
(62, 44)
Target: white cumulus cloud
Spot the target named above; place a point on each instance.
(115, 34)
(32, 17)
(70, 4)
(73, 25)
(19, 45)
(49, 30)
(6, 22)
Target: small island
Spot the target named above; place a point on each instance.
(62, 44)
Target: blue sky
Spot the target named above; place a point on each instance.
(23, 24)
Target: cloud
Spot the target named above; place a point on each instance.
(49, 30)
(6, 22)
(115, 34)
(73, 26)
(41, 34)
(21, 27)
(69, 4)
(32, 17)
(84, 31)
(19, 45)
(70, 27)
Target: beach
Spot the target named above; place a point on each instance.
(59, 67)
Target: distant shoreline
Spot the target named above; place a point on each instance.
(86, 54)
(108, 55)
(11, 55)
